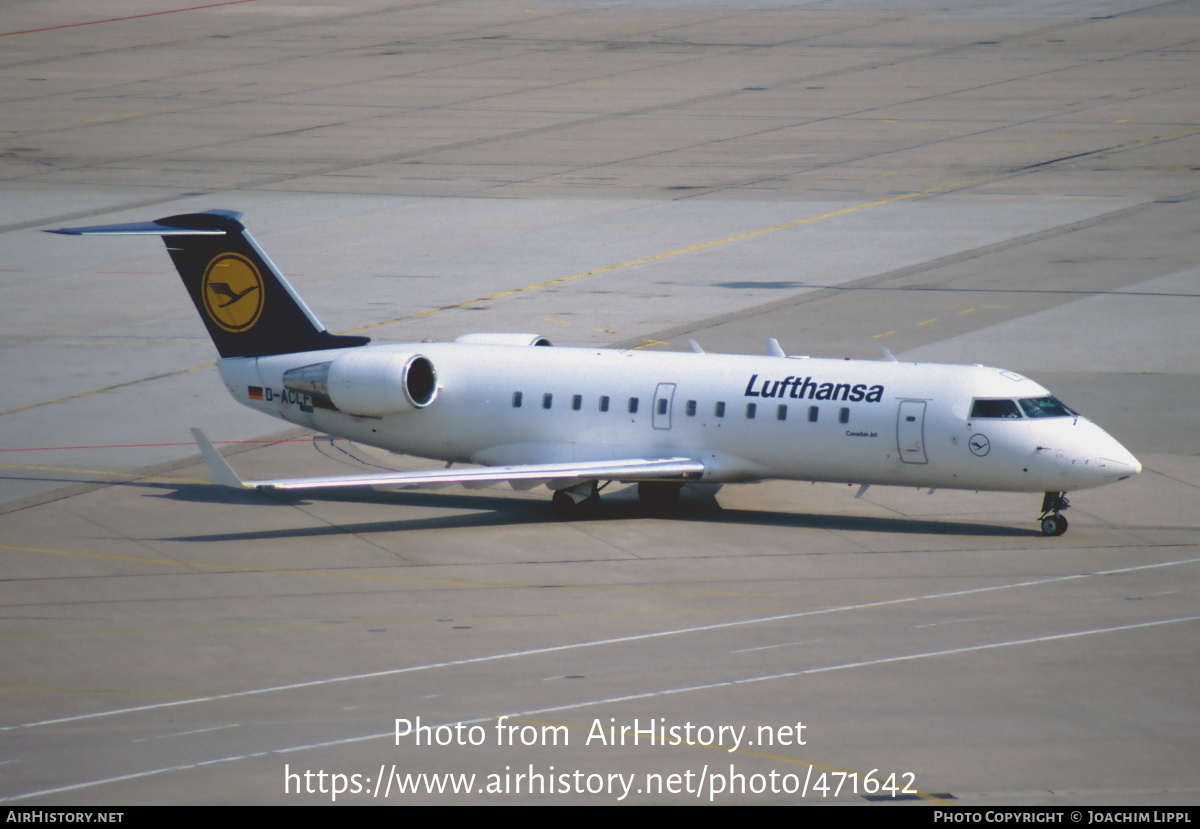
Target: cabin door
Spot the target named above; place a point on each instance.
(664, 397)
(910, 431)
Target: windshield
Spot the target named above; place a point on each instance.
(994, 408)
(1045, 407)
(984, 407)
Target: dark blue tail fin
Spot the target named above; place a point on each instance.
(249, 308)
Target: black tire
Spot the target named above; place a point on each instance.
(563, 505)
(1054, 525)
(659, 497)
(566, 508)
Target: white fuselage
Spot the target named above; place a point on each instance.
(744, 417)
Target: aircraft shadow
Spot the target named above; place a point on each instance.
(491, 511)
(212, 494)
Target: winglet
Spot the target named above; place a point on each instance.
(774, 349)
(220, 471)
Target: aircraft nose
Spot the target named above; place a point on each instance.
(1113, 462)
(1121, 461)
(1121, 468)
(1094, 458)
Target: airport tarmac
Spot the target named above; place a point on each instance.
(1004, 183)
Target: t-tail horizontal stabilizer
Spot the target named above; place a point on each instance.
(250, 310)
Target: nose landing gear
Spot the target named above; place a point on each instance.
(1052, 522)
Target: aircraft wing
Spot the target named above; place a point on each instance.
(563, 474)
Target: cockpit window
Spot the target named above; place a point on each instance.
(994, 408)
(1045, 407)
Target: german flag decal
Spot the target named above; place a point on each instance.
(256, 392)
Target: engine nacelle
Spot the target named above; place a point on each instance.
(504, 339)
(367, 382)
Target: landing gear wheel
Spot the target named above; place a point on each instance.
(563, 504)
(659, 497)
(1054, 525)
(566, 507)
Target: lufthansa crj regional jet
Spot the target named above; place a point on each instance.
(571, 418)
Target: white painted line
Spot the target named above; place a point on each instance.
(954, 621)
(772, 647)
(613, 700)
(185, 733)
(638, 637)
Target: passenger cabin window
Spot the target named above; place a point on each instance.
(1045, 407)
(690, 409)
(633, 405)
(751, 410)
(781, 413)
(517, 400)
(577, 402)
(547, 400)
(719, 409)
(813, 413)
(844, 415)
(984, 408)
(604, 403)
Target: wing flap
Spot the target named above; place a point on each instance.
(524, 475)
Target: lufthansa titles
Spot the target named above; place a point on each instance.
(806, 388)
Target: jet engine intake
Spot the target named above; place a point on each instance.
(367, 383)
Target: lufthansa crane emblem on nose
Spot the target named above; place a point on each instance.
(980, 445)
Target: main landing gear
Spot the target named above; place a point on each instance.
(659, 497)
(577, 502)
(580, 501)
(1052, 522)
